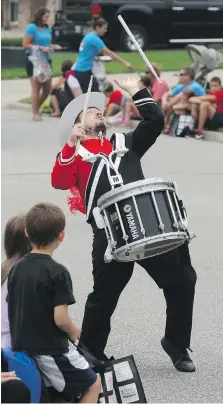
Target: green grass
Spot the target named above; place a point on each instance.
(167, 59)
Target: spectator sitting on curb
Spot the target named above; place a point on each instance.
(208, 109)
(60, 98)
(129, 110)
(174, 96)
(115, 100)
(158, 89)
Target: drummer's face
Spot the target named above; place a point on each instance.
(93, 118)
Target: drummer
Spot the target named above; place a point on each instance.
(171, 271)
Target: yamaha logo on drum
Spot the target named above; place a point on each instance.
(127, 208)
(131, 222)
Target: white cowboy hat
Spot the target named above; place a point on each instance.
(74, 108)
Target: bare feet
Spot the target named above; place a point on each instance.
(55, 115)
(37, 117)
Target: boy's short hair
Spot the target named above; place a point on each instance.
(44, 222)
(216, 80)
(108, 88)
(188, 92)
(146, 81)
(66, 66)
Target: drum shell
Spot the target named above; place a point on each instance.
(133, 225)
(131, 220)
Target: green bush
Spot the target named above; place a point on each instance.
(12, 41)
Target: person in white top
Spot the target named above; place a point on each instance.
(16, 245)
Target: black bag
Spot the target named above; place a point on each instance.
(120, 378)
(181, 125)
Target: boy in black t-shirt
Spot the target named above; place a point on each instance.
(39, 292)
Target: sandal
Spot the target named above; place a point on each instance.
(166, 129)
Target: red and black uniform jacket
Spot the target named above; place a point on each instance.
(87, 181)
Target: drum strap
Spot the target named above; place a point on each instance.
(118, 140)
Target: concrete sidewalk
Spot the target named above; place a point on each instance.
(15, 90)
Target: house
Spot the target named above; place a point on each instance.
(16, 14)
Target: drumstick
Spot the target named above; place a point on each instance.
(126, 28)
(84, 111)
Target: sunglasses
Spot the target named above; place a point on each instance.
(183, 74)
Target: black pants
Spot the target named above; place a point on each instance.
(63, 98)
(171, 271)
(84, 79)
(15, 391)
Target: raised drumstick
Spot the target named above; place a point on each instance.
(84, 111)
(126, 28)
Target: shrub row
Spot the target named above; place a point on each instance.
(11, 41)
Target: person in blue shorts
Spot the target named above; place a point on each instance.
(91, 46)
(174, 96)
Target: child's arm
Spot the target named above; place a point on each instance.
(64, 322)
(182, 106)
(63, 297)
(58, 83)
(198, 100)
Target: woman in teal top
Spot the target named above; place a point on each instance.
(38, 36)
(90, 47)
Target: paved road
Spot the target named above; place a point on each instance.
(28, 152)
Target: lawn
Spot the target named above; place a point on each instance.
(167, 59)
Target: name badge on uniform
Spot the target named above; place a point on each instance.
(115, 180)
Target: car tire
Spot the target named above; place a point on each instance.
(139, 33)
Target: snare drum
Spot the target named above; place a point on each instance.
(142, 219)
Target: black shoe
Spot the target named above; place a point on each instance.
(179, 357)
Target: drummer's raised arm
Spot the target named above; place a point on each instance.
(147, 131)
(153, 120)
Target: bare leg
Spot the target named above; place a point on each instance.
(110, 109)
(91, 395)
(35, 98)
(206, 111)
(167, 119)
(195, 108)
(56, 108)
(45, 92)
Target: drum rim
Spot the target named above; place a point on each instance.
(117, 195)
(172, 247)
(181, 236)
(178, 235)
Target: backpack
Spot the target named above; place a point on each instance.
(26, 369)
(181, 125)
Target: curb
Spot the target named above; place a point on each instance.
(212, 136)
(209, 136)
